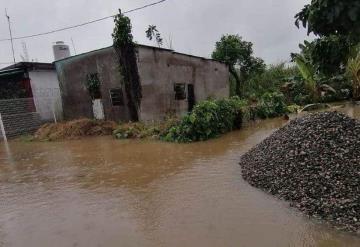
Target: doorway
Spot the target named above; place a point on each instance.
(191, 97)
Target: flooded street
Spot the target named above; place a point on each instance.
(105, 192)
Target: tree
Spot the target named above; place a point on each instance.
(235, 52)
(313, 83)
(337, 25)
(126, 52)
(327, 17)
(153, 33)
(327, 54)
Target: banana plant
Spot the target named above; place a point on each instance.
(353, 71)
(307, 71)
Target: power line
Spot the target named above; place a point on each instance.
(82, 24)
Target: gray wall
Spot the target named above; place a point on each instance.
(72, 74)
(159, 70)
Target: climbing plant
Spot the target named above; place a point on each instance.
(93, 85)
(126, 51)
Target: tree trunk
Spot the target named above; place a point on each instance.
(130, 74)
(237, 80)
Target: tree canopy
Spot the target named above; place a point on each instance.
(327, 17)
(337, 25)
(236, 52)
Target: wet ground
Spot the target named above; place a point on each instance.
(105, 192)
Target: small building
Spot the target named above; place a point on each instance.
(29, 96)
(171, 83)
(33, 80)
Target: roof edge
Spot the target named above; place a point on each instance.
(144, 46)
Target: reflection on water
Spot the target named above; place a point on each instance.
(104, 192)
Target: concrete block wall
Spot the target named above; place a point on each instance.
(17, 106)
(19, 116)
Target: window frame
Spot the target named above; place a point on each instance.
(184, 94)
(121, 97)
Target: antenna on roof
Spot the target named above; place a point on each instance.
(73, 44)
(25, 51)
(11, 38)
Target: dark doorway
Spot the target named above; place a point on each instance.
(191, 97)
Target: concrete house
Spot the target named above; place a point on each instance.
(171, 83)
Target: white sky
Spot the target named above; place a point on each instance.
(195, 25)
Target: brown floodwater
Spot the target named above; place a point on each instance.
(105, 192)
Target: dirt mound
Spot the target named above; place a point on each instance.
(313, 162)
(74, 129)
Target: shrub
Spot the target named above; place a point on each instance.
(208, 119)
(271, 80)
(140, 130)
(271, 105)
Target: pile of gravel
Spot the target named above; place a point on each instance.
(313, 162)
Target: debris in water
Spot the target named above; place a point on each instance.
(313, 162)
(74, 129)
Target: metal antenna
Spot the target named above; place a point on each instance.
(11, 38)
(73, 44)
(25, 51)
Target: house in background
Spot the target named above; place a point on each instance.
(171, 83)
(33, 80)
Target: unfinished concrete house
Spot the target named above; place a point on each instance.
(171, 82)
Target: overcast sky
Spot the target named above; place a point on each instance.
(194, 26)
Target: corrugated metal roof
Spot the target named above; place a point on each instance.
(11, 72)
(31, 66)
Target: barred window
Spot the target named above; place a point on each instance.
(180, 91)
(117, 97)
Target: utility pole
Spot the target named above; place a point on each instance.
(11, 38)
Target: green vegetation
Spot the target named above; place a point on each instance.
(336, 24)
(353, 71)
(92, 84)
(126, 52)
(326, 69)
(208, 119)
(235, 52)
(139, 130)
(323, 71)
(153, 33)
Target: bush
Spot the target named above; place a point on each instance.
(274, 77)
(271, 105)
(141, 130)
(208, 119)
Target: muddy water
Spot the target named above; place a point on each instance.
(103, 192)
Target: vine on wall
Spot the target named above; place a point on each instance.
(126, 51)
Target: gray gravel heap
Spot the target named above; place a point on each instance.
(313, 162)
